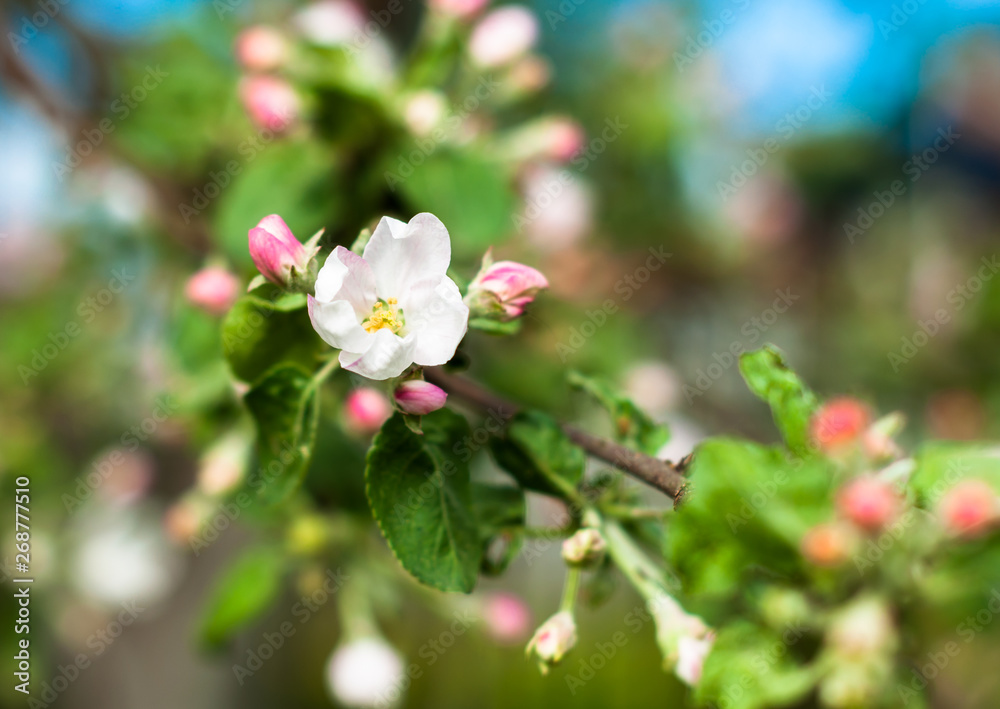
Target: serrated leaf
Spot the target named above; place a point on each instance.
(242, 594)
(632, 426)
(419, 493)
(536, 452)
(792, 402)
(260, 332)
(286, 409)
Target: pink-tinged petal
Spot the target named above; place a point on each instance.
(403, 254)
(270, 256)
(387, 356)
(419, 397)
(358, 284)
(438, 318)
(276, 227)
(213, 289)
(338, 325)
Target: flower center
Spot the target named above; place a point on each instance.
(384, 314)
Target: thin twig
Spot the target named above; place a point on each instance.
(654, 472)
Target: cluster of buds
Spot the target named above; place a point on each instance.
(269, 100)
(280, 257)
(501, 291)
(553, 639)
(584, 549)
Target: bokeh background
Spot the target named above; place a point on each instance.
(823, 175)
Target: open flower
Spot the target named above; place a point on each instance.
(394, 306)
(276, 253)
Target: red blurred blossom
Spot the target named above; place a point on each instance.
(828, 544)
(261, 48)
(969, 508)
(270, 102)
(507, 617)
(868, 503)
(213, 289)
(366, 409)
(839, 422)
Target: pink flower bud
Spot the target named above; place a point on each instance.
(419, 397)
(563, 138)
(261, 48)
(462, 9)
(692, 652)
(585, 548)
(366, 409)
(503, 36)
(276, 252)
(270, 102)
(968, 508)
(868, 503)
(553, 639)
(507, 618)
(504, 288)
(839, 423)
(213, 289)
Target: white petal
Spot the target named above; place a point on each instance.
(400, 254)
(386, 357)
(435, 313)
(338, 325)
(346, 276)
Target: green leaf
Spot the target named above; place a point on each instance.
(496, 327)
(536, 452)
(295, 180)
(286, 408)
(471, 195)
(243, 593)
(259, 333)
(632, 426)
(419, 493)
(747, 510)
(792, 403)
(753, 668)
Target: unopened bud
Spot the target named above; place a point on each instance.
(585, 548)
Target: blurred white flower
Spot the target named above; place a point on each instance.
(365, 673)
(123, 555)
(691, 653)
(503, 35)
(558, 208)
(424, 112)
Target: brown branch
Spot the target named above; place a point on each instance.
(660, 474)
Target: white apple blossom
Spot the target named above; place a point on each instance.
(367, 672)
(394, 306)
